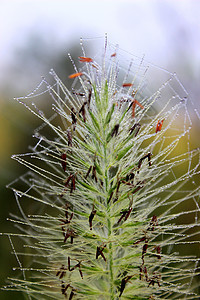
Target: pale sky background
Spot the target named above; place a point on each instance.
(166, 31)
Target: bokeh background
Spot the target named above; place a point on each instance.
(36, 35)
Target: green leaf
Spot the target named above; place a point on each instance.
(122, 153)
(97, 98)
(86, 146)
(109, 115)
(105, 96)
(94, 121)
(98, 168)
(88, 187)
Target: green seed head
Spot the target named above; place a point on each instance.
(111, 180)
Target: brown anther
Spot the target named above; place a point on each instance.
(64, 288)
(110, 196)
(82, 111)
(91, 217)
(139, 241)
(94, 173)
(144, 157)
(158, 250)
(89, 97)
(61, 273)
(154, 279)
(144, 250)
(63, 162)
(69, 137)
(135, 127)
(123, 284)
(100, 252)
(125, 214)
(115, 130)
(78, 265)
(143, 270)
(74, 120)
(153, 223)
(88, 172)
(68, 233)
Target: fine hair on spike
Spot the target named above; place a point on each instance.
(112, 187)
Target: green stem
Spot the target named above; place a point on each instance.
(110, 256)
(110, 262)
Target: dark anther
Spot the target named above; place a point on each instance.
(63, 162)
(123, 284)
(73, 183)
(118, 185)
(64, 288)
(78, 94)
(73, 115)
(72, 178)
(143, 270)
(130, 177)
(94, 173)
(154, 279)
(158, 250)
(135, 127)
(69, 137)
(125, 214)
(115, 130)
(71, 295)
(89, 97)
(88, 172)
(139, 241)
(144, 250)
(78, 265)
(144, 157)
(68, 233)
(91, 217)
(61, 273)
(100, 252)
(110, 196)
(67, 219)
(153, 223)
(82, 111)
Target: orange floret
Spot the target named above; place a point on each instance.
(85, 59)
(75, 75)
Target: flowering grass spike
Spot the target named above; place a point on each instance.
(112, 182)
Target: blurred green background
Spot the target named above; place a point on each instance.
(36, 36)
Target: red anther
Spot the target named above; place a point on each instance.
(159, 125)
(85, 59)
(153, 223)
(134, 105)
(139, 241)
(127, 84)
(74, 75)
(158, 249)
(63, 162)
